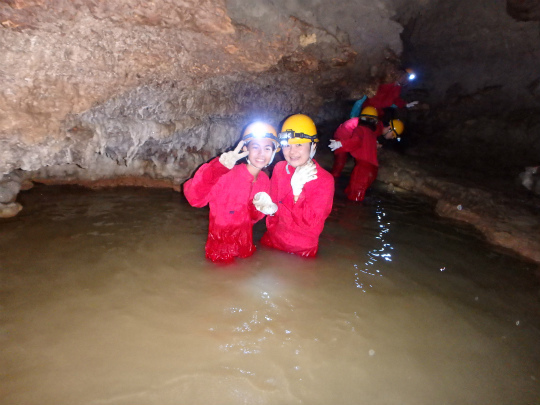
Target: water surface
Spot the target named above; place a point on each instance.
(106, 298)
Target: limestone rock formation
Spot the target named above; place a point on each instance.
(130, 92)
(125, 88)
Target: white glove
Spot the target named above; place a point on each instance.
(334, 145)
(302, 175)
(411, 104)
(228, 159)
(263, 203)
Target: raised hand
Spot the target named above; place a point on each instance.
(303, 175)
(229, 159)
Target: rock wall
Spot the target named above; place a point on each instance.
(100, 84)
(477, 64)
(135, 92)
(99, 92)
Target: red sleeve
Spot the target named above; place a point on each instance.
(396, 99)
(314, 204)
(345, 130)
(197, 190)
(262, 185)
(254, 213)
(353, 143)
(274, 185)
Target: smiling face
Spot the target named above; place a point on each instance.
(297, 154)
(260, 152)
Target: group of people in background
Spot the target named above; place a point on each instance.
(372, 119)
(298, 198)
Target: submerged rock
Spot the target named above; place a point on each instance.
(8, 191)
(10, 210)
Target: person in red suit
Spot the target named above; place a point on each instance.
(361, 143)
(388, 96)
(236, 193)
(302, 190)
(345, 132)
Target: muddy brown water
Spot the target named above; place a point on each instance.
(106, 298)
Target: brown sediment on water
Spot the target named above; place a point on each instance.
(122, 181)
(505, 213)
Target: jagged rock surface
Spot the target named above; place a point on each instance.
(104, 89)
(507, 215)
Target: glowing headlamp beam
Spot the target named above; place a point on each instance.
(259, 130)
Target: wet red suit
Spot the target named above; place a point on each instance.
(362, 145)
(345, 132)
(295, 227)
(232, 213)
(386, 96)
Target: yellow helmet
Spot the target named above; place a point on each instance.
(259, 129)
(397, 127)
(369, 112)
(298, 128)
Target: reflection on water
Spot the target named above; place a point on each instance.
(379, 253)
(107, 299)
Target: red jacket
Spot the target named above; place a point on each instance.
(387, 95)
(346, 129)
(295, 227)
(232, 213)
(362, 145)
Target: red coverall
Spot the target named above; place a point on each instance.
(232, 213)
(387, 95)
(345, 132)
(362, 145)
(295, 227)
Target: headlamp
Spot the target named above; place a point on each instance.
(285, 136)
(259, 131)
(412, 76)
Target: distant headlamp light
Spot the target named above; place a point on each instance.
(412, 76)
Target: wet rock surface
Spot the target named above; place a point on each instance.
(502, 209)
(10, 185)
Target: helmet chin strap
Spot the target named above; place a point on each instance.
(313, 150)
(271, 158)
